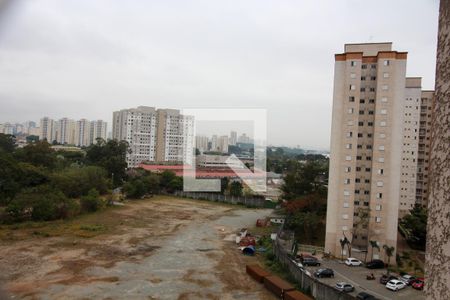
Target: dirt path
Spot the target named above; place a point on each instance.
(163, 248)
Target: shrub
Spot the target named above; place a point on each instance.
(91, 202)
(42, 203)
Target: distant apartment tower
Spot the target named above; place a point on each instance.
(47, 130)
(137, 126)
(98, 130)
(154, 135)
(222, 144)
(213, 143)
(82, 133)
(233, 138)
(243, 138)
(423, 157)
(366, 148)
(175, 136)
(65, 131)
(201, 143)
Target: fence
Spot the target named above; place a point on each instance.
(317, 289)
(247, 201)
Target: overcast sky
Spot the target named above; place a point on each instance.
(85, 59)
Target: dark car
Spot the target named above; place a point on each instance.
(375, 264)
(365, 296)
(324, 273)
(310, 261)
(385, 278)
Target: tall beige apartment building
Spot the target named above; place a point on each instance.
(366, 148)
(97, 131)
(163, 135)
(82, 133)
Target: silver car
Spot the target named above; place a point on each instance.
(344, 287)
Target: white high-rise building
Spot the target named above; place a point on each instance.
(214, 143)
(155, 135)
(82, 133)
(233, 138)
(65, 131)
(98, 131)
(201, 143)
(222, 144)
(47, 130)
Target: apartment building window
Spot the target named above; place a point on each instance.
(356, 202)
(347, 181)
(358, 157)
(366, 180)
(366, 192)
(360, 123)
(380, 171)
(381, 159)
(369, 158)
(372, 89)
(384, 99)
(356, 191)
(345, 216)
(350, 110)
(383, 111)
(358, 169)
(361, 111)
(346, 204)
(370, 112)
(369, 147)
(344, 228)
(350, 123)
(363, 89)
(357, 180)
(373, 66)
(361, 101)
(379, 183)
(386, 75)
(367, 169)
(351, 99)
(378, 207)
(379, 195)
(384, 87)
(378, 219)
(383, 123)
(382, 135)
(369, 135)
(352, 87)
(348, 146)
(348, 169)
(353, 63)
(373, 78)
(349, 134)
(352, 75)
(364, 66)
(366, 203)
(360, 135)
(370, 124)
(386, 62)
(359, 146)
(348, 158)
(363, 77)
(381, 148)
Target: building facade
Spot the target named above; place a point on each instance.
(82, 133)
(98, 130)
(162, 135)
(366, 148)
(47, 130)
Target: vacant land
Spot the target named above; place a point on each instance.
(161, 248)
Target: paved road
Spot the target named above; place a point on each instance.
(357, 277)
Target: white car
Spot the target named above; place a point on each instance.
(395, 285)
(353, 262)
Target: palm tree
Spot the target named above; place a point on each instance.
(374, 244)
(344, 241)
(389, 250)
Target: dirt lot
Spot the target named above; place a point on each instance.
(160, 248)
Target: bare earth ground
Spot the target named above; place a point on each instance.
(161, 248)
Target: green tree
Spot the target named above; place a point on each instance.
(111, 156)
(236, 189)
(415, 224)
(7, 142)
(374, 245)
(76, 182)
(303, 179)
(39, 154)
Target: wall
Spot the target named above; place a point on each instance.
(248, 201)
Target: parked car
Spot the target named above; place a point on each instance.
(395, 285)
(375, 264)
(353, 262)
(344, 287)
(310, 261)
(408, 279)
(418, 284)
(324, 273)
(365, 296)
(385, 278)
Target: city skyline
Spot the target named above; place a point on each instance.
(95, 62)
